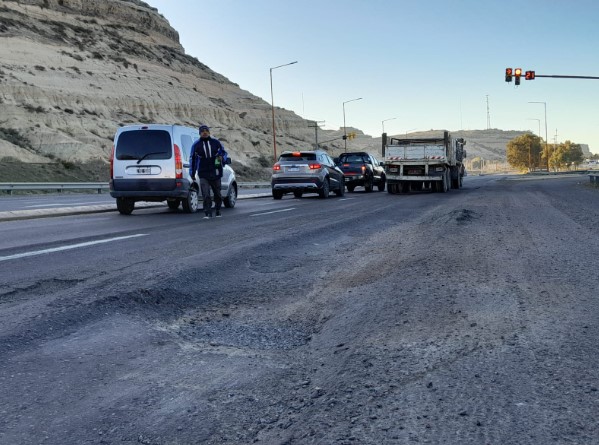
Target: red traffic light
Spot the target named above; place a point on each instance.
(529, 75)
(508, 74)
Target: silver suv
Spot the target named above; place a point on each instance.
(302, 172)
(151, 163)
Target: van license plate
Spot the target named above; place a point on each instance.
(144, 170)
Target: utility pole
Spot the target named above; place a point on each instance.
(315, 126)
(488, 114)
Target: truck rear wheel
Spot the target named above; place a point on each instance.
(445, 186)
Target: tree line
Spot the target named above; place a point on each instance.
(529, 152)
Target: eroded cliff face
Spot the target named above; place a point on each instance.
(73, 71)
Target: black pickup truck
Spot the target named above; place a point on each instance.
(362, 169)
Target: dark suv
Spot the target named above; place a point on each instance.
(362, 169)
(306, 172)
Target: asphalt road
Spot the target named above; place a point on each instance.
(462, 318)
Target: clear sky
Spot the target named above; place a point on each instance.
(423, 64)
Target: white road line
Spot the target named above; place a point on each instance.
(345, 199)
(72, 246)
(274, 211)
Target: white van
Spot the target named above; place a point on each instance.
(151, 163)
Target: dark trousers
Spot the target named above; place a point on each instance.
(211, 184)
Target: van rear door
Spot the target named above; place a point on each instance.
(144, 156)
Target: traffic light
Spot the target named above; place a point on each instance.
(508, 74)
(518, 73)
(529, 75)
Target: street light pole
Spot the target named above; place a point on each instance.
(344, 128)
(539, 133)
(383, 122)
(272, 101)
(546, 145)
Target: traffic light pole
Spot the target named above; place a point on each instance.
(565, 77)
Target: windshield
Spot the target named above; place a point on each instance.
(144, 144)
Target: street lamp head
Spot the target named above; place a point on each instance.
(352, 100)
(286, 64)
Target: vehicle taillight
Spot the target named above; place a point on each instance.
(363, 169)
(297, 153)
(346, 165)
(112, 163)
(276, 167)
(315, 166)
(178, 163)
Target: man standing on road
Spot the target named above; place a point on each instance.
(208, 157)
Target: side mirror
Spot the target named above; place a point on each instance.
(382, 163)
(336, 160)
(228, 161)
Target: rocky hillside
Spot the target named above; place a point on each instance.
(73, 71)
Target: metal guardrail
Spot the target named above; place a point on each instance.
(99, 186)
(58, 186)
(594, 178)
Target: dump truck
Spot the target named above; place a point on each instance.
(417, 164)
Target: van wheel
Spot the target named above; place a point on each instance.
(231, 198)
(190, 204)
(298, 194)
(174, 204)
(125, 206)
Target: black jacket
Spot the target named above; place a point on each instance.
(203, 158)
